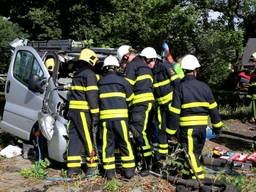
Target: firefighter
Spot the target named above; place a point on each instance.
(114, 94)
(192, 102)
(83, 115)
(252, 90)
(166, 54)
(139, 75)
(165, 80)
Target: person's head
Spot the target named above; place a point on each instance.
(189, 64)
(88, 56)
(110, 64)
(49, 63)
(149, 56)
(125, 54)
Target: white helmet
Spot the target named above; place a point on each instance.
(149, 53)
(122, 50)
(253, 57)
(111, 61)
(189, 62)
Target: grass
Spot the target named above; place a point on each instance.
(238, 113)
(112, 185)
(37, 171)
(241, 182)
(64, 173)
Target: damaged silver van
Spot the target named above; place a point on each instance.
(36, 99)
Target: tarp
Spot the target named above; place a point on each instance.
(249, 49)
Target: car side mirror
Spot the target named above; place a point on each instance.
(36, 84)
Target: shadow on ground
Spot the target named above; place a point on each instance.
(233, 143)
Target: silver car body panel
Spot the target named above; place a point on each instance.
(52, 105)
(23, 108)
(22, 105)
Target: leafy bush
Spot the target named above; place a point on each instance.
(112, 185)
(242, 182)
(8, 32)
(38, 170)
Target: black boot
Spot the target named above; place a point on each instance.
(128, 173)
(146, 165)
(157, 166)
(110, 174)
(72, 172)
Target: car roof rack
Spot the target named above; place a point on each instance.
(68, 46)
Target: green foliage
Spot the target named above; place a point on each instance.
(217, 53)
(8, 32)
(45, 23)
(253, 170)
(38, 170)
(185, 25)
(64, 173)
(228, 111)
(88, 42)
(243, 183)
(175, 160)
(254, 147)
(112, 185)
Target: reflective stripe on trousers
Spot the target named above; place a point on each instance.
(193, 140)
(115, 134)
(162, 135)
(139, 120)
(80, 142)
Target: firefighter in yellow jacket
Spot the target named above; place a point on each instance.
(165, 81)
(83, 114)
(115, 93)
(252, 90)
(192, 103)
(140, 77)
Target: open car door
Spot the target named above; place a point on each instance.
(23, 92)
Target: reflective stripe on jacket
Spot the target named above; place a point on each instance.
(165, 79)
(139, 75)
(115, 93)
(192, 103)
(84, 91)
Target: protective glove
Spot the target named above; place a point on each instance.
(95, 130)
(165, 49)
(165, 46)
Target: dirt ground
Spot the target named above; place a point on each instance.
(11, 179)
